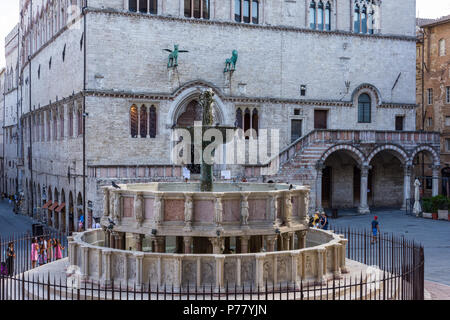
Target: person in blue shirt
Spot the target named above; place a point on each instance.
(375, 229)
(323, 221)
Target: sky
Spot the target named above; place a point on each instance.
(9, 16)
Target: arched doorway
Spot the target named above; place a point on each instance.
(388, 179)
(341, 179)
(445, 173)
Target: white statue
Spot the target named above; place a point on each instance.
(188, 212)
(138, 209)
(157, 210)
(417, 208)
(244, 209)
(219, 211)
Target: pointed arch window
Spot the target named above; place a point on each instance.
(70, 123)
(248, 119)
(42, 128)
(61, 124)
(143, 122)
(364, 20)
(132, 5)
(55, 126)
(198, 9)
(246, 11)
(312, 15)
(134, 121)
(356, 19)
(239, 118)
(364, 108)
(255, 122)
(371, 20)
(328, 17)
(320, 16)
(153, 121)
(80, 122)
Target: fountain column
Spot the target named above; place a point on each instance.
(271, 243)
(138, 238)
(301, 235)
(218, 244)
(244, 244)
(187, 244)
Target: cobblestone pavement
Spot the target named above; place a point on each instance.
(436, 291)
(434, 235)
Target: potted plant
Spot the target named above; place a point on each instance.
(440, 207)
(427, 208)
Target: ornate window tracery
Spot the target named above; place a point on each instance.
(365, 16)
(320, 15)
(248, 119)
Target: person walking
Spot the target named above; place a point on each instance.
(375, 229)
(49, 249)
(58, 250)
(34, 253)
(10, 254)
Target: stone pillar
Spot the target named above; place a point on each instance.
(139, 269)
(106, 236)
(112, 240)
(363, 206)
(244, 244)
(85, 262)
(138, 238)
(259, 279)
(336, 269)
(342, 253)
(301, 239)
(406, 185)
(187, 244)
(107, 268)
(159, 244)
(218, 244)
(435, 187)
(220, 259)
(286, 241)
(319, 167)
(320, 253)
(271, 243)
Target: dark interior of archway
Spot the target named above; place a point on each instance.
(386, 188)
(422, 170)
(341, 181)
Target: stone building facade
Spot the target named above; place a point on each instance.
(2, 142)
(433, 93)
(100, 83)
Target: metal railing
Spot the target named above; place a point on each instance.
(394, 271)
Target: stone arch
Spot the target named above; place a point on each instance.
(352, 151)
(368, 88)
(396, 150)
(435, 155)
(186, 94)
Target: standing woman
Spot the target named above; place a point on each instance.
(59, 249)
(10, 258)
(34, 252)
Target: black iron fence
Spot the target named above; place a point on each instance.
(390, 268)
(21, 261)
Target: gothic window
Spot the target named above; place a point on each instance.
(328, 17)
(70, 123)
(356, 19)
(143, 122)
(153, 121)
(198, 9)
(364, 102)
(237, 10)
(80, 122)
(430, 96)
(364, 16)
(143, 6)
(246, 11)
(48, 125)
(61, 124)
(134, 121)
(42, 127)
(55, 126)
(248, 119)
(320, 15)
(132, 5)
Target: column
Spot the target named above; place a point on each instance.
(363, 206)
(271, 243)
(159, 244)
(107, 238)
(139, 269)
(107, 273)
(244, 244)
(320, 254)
(217, 244)
(435, 187)
(138, 238)
(406, 185)
(286, 241)
(319, 167)
(187, 244)
(301, 235)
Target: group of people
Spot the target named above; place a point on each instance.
(45, 250)
(320, 221)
